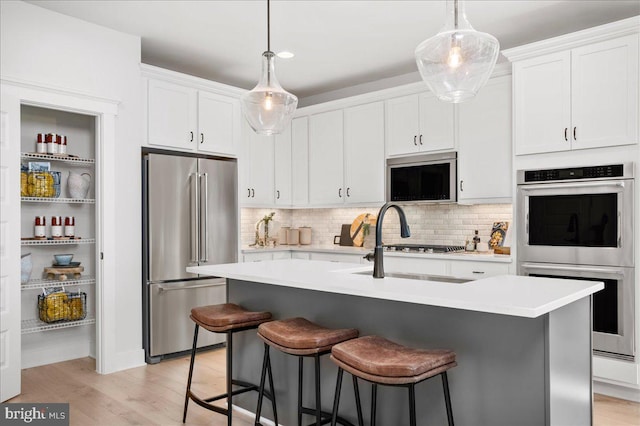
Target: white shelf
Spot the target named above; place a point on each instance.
(35, 325)
(57, 157)
(57, 242)
(58, 200)
(37, 284)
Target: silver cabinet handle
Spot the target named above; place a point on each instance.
(195, 217)
(565, 134)
(248, 192)
(201, 137)
(477, 272)
(340, 192)
(415, 140)
(574, 133)
(277, 194)
(204, 230)
(253, 193)
(420, 139)
(461, 185)
(348, 189)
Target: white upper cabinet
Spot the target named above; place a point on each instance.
(484, 157)
(364, 153)
(257, 169)
(185, 118)
(419, 123)
(326, 157)
(586, 97)
(282, 165)
(218, 123)
(172, 115)
(300, 161)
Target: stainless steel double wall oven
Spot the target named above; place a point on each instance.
(577, 223)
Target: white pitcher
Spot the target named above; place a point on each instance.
(78, 184)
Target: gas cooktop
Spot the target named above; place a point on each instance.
(423, 248)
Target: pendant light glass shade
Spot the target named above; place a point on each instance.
(268, 107)
(458, 61)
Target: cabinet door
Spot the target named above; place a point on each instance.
(171, 115)
(401, 121)
(484, 155)
(542, 94)
(436, 124)
(605, 93)
(282, 164)
(218, 123)
(300, 161)
(364, 153)
(259, 172)
(326, 158)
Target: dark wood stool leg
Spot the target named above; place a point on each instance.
(300, 382)
(229, 377)
(318, 394)
(336, 398)
(412, 404)
(447, 397)
(193, 358)
(263, 376)
(356, 392)
(374, 393)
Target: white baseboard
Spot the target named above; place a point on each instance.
(35, 357)
(129, 359)
(617, 391)
(250, 415)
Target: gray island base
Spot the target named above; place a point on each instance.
(512, 369)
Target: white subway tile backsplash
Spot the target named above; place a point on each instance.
(449, 224)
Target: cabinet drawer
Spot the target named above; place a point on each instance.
(415, 266)
(335, 257)
(257, 257)
(478, 270)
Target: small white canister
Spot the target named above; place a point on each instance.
(282, 235)
(293, 237)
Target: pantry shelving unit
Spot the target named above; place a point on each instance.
(43, 342)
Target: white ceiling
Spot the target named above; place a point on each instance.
(337, 43)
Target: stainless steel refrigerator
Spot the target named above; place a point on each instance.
(190, 217)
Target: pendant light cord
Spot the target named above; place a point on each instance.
(269, 26)
(455, 14)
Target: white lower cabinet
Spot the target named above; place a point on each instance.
(414, 265)
(477, 270)
(336, 257)
(257, 257)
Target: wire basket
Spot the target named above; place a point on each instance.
(62, 306)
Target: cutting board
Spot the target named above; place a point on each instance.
(356, 230)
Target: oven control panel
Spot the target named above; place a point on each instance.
(596, 172)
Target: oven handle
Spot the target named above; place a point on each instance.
(605, 184)
(573, 269)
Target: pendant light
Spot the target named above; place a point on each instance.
(458, 61)
(268, 107)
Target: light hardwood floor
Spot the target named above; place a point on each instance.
(154, 394)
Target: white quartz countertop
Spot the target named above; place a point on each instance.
(481, 257)
(521, 296)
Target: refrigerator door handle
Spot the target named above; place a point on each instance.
(195, 217)
(204, 224)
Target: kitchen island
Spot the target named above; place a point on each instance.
(523, 344)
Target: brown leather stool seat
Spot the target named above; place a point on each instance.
(227, 318)
(302, 338)
(298, 336)
(381, 361)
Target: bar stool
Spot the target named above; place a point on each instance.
(380, 361)
(301, 338)
(227, 318)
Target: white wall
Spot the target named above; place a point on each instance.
(49, 49)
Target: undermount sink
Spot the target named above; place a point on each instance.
(422, 277)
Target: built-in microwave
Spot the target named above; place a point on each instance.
(427, 178)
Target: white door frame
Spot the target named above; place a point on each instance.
(105, 112)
